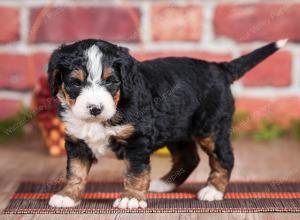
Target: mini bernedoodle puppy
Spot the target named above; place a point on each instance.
(110, 102)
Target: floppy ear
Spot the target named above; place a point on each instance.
(125, 61)
(131, 78)
(54, 81)
(132, 81)
(54, 75)
(123, 65)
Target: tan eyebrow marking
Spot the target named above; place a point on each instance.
(107, 72)
(79, 74)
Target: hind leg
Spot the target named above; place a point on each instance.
(185, 159)
(221, 160)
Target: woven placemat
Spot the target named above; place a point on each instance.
(32, 198)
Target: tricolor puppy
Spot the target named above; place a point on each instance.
(110, 102)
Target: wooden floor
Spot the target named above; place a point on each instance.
(26, 159)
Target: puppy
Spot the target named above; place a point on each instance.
(110, 102)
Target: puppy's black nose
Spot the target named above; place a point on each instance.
(95, 110)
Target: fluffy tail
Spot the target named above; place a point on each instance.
(238, 67)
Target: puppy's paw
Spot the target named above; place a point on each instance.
(160, 185)
(130, 203)
(210, 193)
(62, 201)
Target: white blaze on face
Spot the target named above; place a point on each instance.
(94, 64)
(94, 93)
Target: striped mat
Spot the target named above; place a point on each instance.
(32, 198)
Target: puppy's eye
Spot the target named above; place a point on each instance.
(110, 80)
(75, 82)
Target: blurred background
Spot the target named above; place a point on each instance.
(266, 130)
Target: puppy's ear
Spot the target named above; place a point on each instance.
(54, 75)
(125, 65)
(54, 81)
(125, 61)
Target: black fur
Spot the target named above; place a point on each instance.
(168, 100)
(79, 150)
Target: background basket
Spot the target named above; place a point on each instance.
(52, 129)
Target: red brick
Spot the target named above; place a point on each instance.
(274, 71)
(12, 107)
(20, 72)
(74, 23)
(251, 22)
(40, 62)
(10, 24)
(171, 23)
(281, 110)
(142, 55)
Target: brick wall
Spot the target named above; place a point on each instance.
(213, 30)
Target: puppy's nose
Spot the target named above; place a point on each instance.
(95, 110)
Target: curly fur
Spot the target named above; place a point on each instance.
(168, 101)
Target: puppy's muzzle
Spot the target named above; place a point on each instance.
(95, 110)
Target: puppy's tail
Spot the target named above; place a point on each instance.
(238, 67)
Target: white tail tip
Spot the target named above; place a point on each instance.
(281, 43)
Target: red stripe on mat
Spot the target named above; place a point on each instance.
(116, 210)
(188, 182)
(113, 195)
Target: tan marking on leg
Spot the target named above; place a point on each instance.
(107, 72)
(218, 176)
(136, 186)
(207, 144)
(76, 179)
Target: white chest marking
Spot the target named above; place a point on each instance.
(94, 134)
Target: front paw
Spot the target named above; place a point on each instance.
(210, 193)
(130, 203)
(61, 201)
